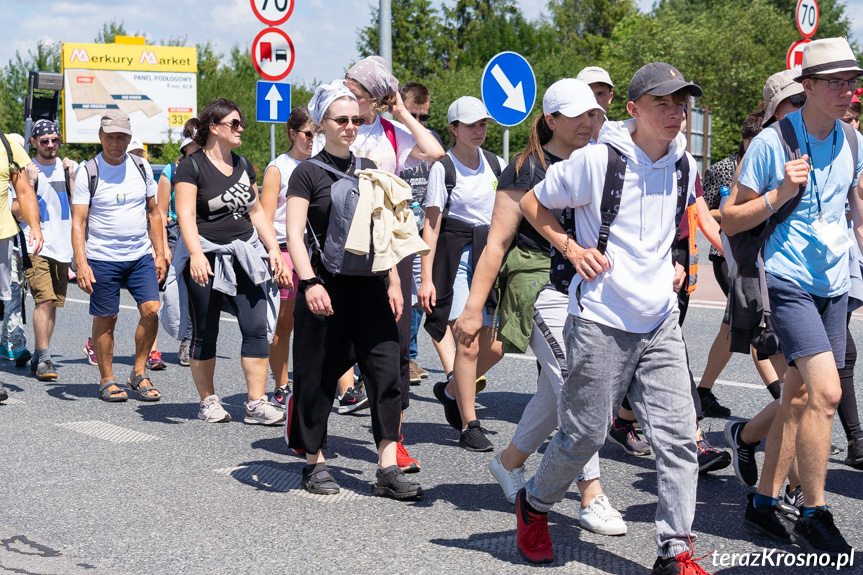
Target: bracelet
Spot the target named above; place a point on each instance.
(305, 284)
(566, 244)
(767, 203)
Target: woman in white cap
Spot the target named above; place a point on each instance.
(459, 203)
(336, 313)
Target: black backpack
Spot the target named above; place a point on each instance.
(562, 271)
(450, 174)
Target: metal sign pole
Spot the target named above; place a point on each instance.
(506, 144)
(385, 31)
(272, 142)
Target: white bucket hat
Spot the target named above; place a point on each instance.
(828, 55)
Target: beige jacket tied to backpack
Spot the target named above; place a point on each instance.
(385, 220)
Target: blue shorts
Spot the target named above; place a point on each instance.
(807, 324)
(139, 277)
(461, 288)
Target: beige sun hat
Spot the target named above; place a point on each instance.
(828, 55)
(779, 86)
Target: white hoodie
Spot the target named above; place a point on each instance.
(636, 294)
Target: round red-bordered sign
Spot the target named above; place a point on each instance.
(272, 54)
(794, 58)
(807, 15)
(270, 12)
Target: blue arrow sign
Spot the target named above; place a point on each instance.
(273, 102)
(508, 88)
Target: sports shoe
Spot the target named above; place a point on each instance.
(317, 480)
(531, 531)
(834, 450)
(4, 395)
(711, 406)
(422, 372)
(90, 353)
(211, 411)
(817, 533)
(353, 400)
(6, 351)
(767, 521)
(392, 482)
(510, 481)
(417, 373)
(281, 394)
(628, 439)
(742, 454)
(22, 356)
(263, 413)
(710, 458)
(682, 564)
(44, 371)
(600, 517)
(791, 503)
(855, 453)
(183, 353)
(481, 383)
(473, 438)
(450, 406)
(154, 362)
(403, 459)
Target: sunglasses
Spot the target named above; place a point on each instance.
(307, 133)
(46, 141)
(235, 124)
(343, 120)
(797, 100)
(421, 117)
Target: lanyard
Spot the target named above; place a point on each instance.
(812, 163)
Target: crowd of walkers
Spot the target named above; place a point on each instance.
(580, 249)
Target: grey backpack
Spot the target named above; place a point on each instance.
(344, 195)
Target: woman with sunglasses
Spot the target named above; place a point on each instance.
(338, 313)
(274, 200)
(233, 258)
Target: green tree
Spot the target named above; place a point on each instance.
(585, 25)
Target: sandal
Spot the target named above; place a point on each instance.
(115, 396)
(317, 479)
(136, 384)
(392, 482)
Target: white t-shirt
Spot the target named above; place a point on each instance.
(372, 143)
(118, 214)
(285, 164)
(53, 211)
(472, 198)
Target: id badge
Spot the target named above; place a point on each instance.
(832, 235)
(121, 198)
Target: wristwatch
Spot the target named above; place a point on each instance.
(304, 284)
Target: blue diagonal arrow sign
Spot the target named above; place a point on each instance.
(508, 88)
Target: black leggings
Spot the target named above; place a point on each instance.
(847, 409)
(205, 307)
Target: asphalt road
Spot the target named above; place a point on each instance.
(89, 487)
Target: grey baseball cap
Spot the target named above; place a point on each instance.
(659, 79)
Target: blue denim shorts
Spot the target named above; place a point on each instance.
(807, 324)
(139, 277)
(461, 288)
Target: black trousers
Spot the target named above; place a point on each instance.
(405, 270)
(322, 352)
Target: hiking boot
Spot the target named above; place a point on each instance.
(6, 351)
(510, 481)
(403, 459)
(628, 439)
(855, 453)
(531, 531)
(742, 453)
(22, 356)
(317, 480)
(4, 395)
(710, 458)
(766, 521)
(417, 373)
(682, 564)
(183, 354)
(263, 413)
(791, 503)
(211, 411)
(392, 482)
(473, 438)
(154, 362)
(90, 353)
(817, 533)
(353, 400)
(450, 406)
(44, 371)
(710, 406)
(600, 517)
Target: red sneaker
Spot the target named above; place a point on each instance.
(289, 408)
(405, 462)
(531, 535)
(154, 362)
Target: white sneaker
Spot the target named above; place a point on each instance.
(600, 517)
(510, 481)
(212, 411)
(264, 413)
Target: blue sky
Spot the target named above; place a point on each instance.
(324, 32)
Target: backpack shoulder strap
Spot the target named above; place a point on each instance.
(851, 138)
(331, 169)
(244, 163)
(195, 167)
(448, 180)
(139, 163)
(493, 163)
(390, 132)
(788, 137)
(13, 165)
(682, 169)
(92, 169)
(611, 192)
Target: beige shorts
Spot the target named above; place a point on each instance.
(48, 280)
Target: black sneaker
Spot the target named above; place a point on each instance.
(4, 395)
(817, 533)
(317, 480)
(711, 406)
(353, 400)
(450, 406)
(742, 454)
(791, 503)
(683, 563)
(834, 450)
(473, 438)
(393, 483)
(710, 458)
(855, 453)
(280, 396)
(628, 439)
(766, 521)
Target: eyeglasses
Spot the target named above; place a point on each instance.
(343, 120)
(235, 124)
(45, 141)
(797, 100)
(421, 117)
(838, 83)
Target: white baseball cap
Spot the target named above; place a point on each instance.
(135, 144)
(467, 110)
(570, 97)
(594, 74)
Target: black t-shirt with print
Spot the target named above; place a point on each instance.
(223, 202)
(527, 179)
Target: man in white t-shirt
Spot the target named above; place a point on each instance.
(48, 274)
(123, 246)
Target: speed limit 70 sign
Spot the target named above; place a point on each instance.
(807, 17)
(273, 12)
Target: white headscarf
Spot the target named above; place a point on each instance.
(326, 94)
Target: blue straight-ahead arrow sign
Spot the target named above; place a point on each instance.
(273, 102)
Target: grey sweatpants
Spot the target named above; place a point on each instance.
(604, 364)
